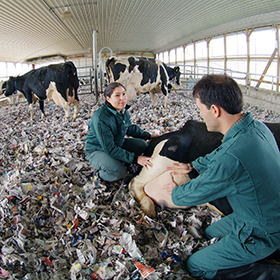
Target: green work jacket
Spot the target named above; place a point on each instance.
(245, 168)
(107, 131)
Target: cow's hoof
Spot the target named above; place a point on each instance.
(148, 206)
(74, 117)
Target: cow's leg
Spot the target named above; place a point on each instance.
(41, 104)
(53, 94)
(72, 99)
(164, 87)
(76, 105)
(66, 109)
(136, 189)
(14, 99)
(31, 111)
(152, 93)
(165, 100)
(17, 99)
(136, 186)
(31, 99)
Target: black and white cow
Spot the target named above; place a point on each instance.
(185, 145)
(57, 82)
(141, 75)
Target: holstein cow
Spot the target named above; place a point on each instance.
(185, 145)
(57, 82)
(141, 75)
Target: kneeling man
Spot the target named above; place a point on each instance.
(245, 168)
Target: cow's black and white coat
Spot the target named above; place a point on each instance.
(185, 145)
(141, 75)
(57, 82)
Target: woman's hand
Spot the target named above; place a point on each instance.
(179, 168)
(154, 136)
(145, 161)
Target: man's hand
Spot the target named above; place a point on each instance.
(170, 185)
(179, 168)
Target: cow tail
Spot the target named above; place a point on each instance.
(73, 79)
(109, 71)
(110, 61)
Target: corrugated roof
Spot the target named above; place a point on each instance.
(34, 28)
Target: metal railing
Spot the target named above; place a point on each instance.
(251, 81)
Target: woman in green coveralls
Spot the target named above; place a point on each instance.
(245, 168)
(109, 143)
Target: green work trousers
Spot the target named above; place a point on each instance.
(239, 244)
(111, 169)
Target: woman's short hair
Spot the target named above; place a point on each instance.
(110, 88)
(220, 90)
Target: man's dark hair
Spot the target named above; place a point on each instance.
(110, 88)
(220, 90)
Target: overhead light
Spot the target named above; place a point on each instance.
(66, 15)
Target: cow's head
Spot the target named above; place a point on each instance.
(10, 86)
(3, 86)
(177, 74)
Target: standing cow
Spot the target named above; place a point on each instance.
(185, 145)
(140, 75)
(57, 82)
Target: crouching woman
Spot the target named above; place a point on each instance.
(112, 140)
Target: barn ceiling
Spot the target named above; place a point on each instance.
(37, 28)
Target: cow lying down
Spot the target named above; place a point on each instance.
(142, 187)
(184, 145)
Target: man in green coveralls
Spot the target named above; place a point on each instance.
(245, 168)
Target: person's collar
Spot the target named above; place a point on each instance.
(109, 105)
(240, 119)
(235, 127)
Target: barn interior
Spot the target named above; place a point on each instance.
(58, 221)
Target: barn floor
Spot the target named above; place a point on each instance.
(58, 221)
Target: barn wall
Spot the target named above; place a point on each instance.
(262, 99)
